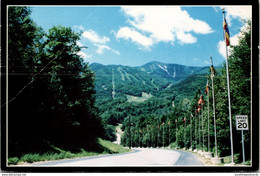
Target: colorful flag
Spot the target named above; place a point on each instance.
(201, 101)
(226, 31)
(199, 108)
(212, 72)
(207, 87)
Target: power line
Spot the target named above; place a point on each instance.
(32, 79)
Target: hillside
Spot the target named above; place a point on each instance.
(153, 88)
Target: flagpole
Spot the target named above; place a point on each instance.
(229, 101)
(196, 144)
(163, 135)
(191, 132)
(202, 128)
(199, 132)
(158, 136)
(139, 139)
(208, 117)
(176, 121)
(184, 133)
(214, 113)
(169, 133)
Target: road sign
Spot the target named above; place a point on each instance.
(242, 122)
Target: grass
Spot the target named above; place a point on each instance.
(144, 97)
(109, 148)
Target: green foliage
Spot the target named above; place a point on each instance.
(51, 90)
(13, 160)
(56, 97)
(106, 148)
(239, 73)
(185, 95)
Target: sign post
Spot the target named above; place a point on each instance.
(242, 124)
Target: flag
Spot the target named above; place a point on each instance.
(212, 72)
(207, 87)
(201, 101)
(199, 108)
(226, 31)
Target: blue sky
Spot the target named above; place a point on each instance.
(135, 35)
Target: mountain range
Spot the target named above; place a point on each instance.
(165, 85)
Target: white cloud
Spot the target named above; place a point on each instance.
(234, 40)
(222, 46)
(185, 38)
(153, 24)
(94, 37)
(241, 12)
(128, 33)
(98, 41)
(83, 55)
(79, 44)
(101, 48)
(78, 28)
(206, 62)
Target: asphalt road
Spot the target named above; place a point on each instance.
(138, 157)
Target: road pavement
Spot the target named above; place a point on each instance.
(137, 157)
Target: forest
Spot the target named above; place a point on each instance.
(191, 125)
(54, 98)
(51, 96)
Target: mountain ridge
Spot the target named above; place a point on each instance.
(153, 88)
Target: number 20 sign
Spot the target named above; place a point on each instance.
(242, 122)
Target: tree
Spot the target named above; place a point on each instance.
(54, 98)
(24, 50)
(239, 72)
